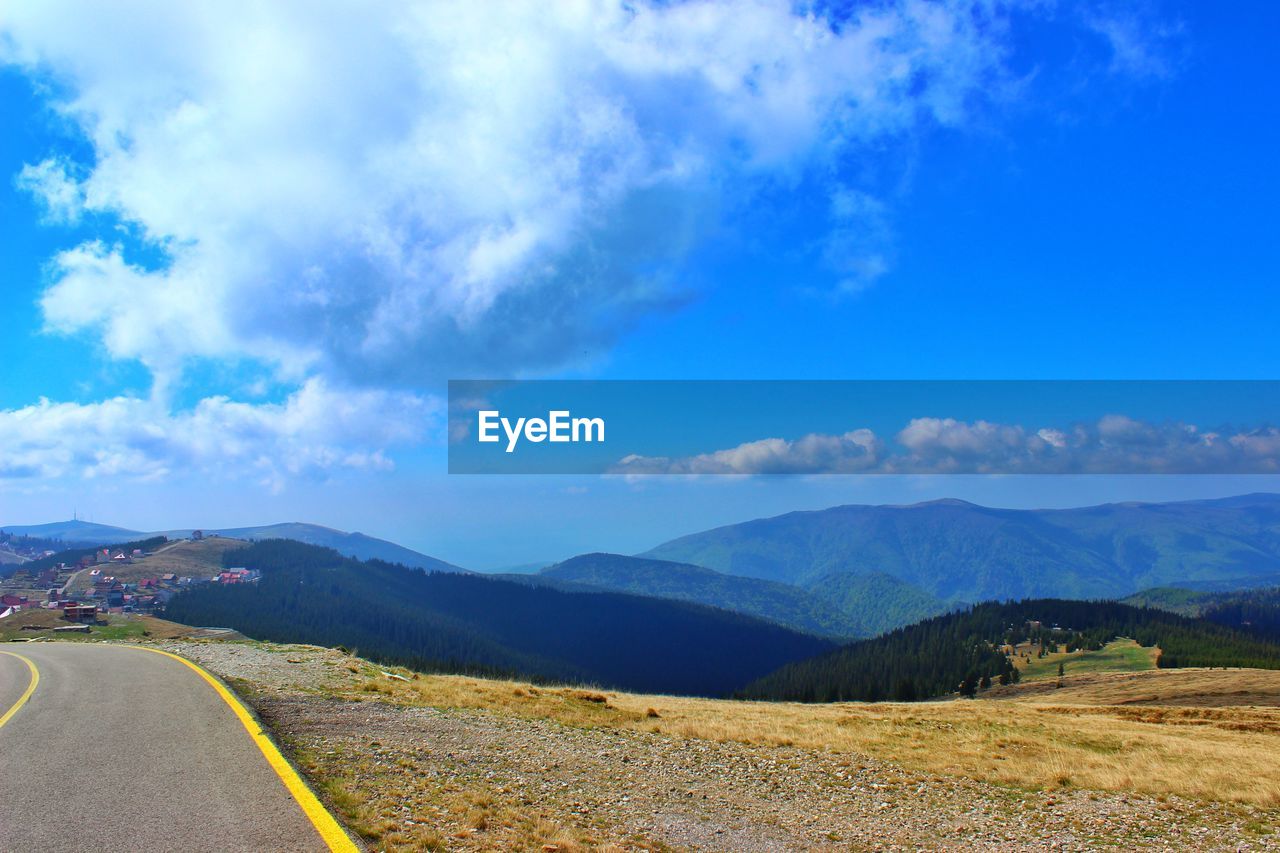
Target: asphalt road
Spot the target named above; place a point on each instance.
(125, 749)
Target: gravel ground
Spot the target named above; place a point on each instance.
(425, 769)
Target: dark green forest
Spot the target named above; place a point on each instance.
(961, 651)
(464, 623)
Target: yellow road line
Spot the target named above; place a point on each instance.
(320, 818)
(31, 688)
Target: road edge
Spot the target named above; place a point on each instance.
(26, 694)
(331, 831)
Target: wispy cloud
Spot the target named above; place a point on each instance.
(53, 184)
(1140, 45)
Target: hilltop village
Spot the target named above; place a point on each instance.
(138, 578)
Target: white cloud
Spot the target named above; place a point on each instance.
(315, 431)
(392, 192)
(52, 183)
(854, 452)
(380, 195)
(1115, 444)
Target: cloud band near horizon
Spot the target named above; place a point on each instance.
(1113, 444)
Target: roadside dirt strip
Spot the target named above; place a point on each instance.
(120, 748)
(446, 776)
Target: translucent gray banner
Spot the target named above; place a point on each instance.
(644, 428)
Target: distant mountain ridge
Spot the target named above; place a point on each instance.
(74, 532)
(356, 545)
(786, 605)
(955, 550)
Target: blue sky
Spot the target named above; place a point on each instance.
(240, 271)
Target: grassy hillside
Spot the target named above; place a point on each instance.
(40, 624)
(73, 555)
(1184, 602)
(183, 557)
(968, 651)
(1099, 733)
(956, 550)
(356, 545)
(781, 603)
(1123, 655)
(1154, 688)
(462, 622)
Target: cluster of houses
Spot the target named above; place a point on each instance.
(107, 591)
(22, 548)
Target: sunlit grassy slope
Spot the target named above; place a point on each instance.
(1117, 656)
(1099, 731)
(116, 627)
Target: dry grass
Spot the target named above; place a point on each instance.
(1202, 688)
(392, 808)
(115, 627)
(182, 557)
(1116, 656)
(1089, 735)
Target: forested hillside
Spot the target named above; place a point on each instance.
(964, 651)
(787, 605)
(1255, 611)
(878, 602)
(453, 622)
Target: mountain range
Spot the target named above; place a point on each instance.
(356, 545)
(858, 571)
(837, 605)
(464, 622)
(958, 551)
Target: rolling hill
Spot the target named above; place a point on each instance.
(455, 622)
(786, 605)
(877, 602)
(358, 545)
(1253, 611)
(955, 550)
(75, 532)
(966, 650)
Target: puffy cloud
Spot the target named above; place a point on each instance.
(313, 431)
(851, 453)
(1115, 444)
(394, 192)
(382, 195)
(948, 442)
